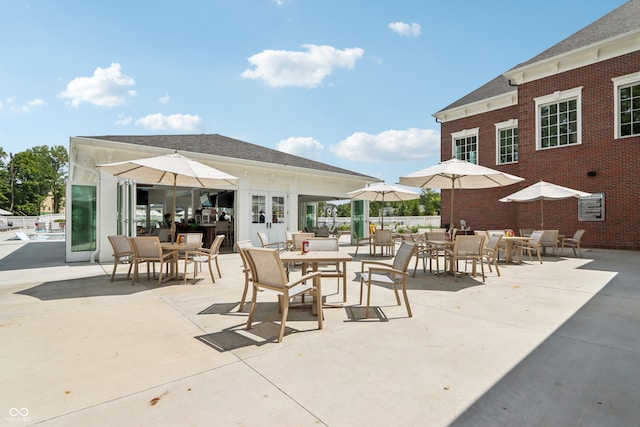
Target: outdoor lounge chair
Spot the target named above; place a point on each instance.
(122, 253)
(466, 248)
(264, 241)
(380, 273)
(148, 250)
(573, 242)
(268, 273)
(204, 256)
(246, 268)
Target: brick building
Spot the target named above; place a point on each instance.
(569, 116)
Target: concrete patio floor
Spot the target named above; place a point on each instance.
(552, 344)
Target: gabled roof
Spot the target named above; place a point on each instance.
(622, 20)
(219, 145)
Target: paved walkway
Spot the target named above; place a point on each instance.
(556, 344)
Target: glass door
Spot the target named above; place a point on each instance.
(268, 214)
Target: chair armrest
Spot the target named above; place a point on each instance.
(388, 270)
(304, 278)
(380, 263)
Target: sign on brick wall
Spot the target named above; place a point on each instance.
(591, 208)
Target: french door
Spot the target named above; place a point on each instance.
(268, 214)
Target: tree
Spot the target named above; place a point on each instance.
(36, 173)
(5, 188)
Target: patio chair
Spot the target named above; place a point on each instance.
(268, 273)
(491, 251)
(358, 240)
(384, 239)
(246, 268)
(526, 232)
(531, 245)
(380, 273)
(466, 248)
(264, 241)
(204, 256)
(122, 253)
(328, 269)
(147, 250)
(572, 242)
(436, 251)
(549, 239)
(322, 231)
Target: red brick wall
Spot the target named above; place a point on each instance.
(616, 162)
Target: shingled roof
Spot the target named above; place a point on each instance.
(622, 20)
(220, 145)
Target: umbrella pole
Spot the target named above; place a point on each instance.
(382, 225)
(542, 214)
(453, 184)
(173, 218)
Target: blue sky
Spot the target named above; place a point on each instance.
(351, 83)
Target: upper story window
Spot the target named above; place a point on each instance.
(558, 119)
(465, 145)
(627, 96)
(507, 142)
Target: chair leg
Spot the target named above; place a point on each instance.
(244, 292)
(283, 319)
(129, 272)
(115, 265)
(213, 279)
(252, 308)
(366, 313)
(319, 301)
(218, 267)
(406, 299)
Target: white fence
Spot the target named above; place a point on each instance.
(389, 221)
(41, 223)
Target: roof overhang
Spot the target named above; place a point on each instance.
(596, 52)
(484, 106)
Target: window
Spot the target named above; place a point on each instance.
(465, 145)
(558, 118)
(627, 95)
(507, 142)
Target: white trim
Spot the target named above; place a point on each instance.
(511, 123)
(578, 58)
(617, 82)
(555, 97)
(465, 133)
(479, 107)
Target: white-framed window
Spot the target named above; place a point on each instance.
(507, 142)
(465, 145)
(559, 119)
(627, 99)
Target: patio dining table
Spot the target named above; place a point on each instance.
(177, 247)
(509, 241)
(314, 258)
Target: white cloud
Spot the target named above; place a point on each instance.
(108, 87)
(173, 122)
(404, 29)
(29, 106)
(124, 120)
(281, 68)
(306, 147)
(164, 99)
(390, 146)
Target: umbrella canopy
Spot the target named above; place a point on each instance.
(383, 192)
(3, 212)
(171, 169)
(543, 191)
(458, 174)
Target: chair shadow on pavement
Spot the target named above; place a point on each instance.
(95, 286)
(265, 328)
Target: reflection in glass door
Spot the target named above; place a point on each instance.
(268, 214)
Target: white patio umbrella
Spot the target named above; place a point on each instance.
(171, 169)
(383, 192)
(543, 191)
(3, 212)
(458, 174)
